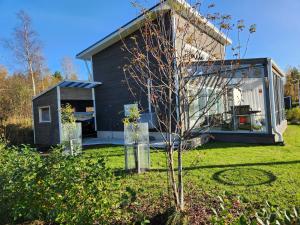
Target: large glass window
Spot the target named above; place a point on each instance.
(247, 108)
(279, 98)
(238, 108)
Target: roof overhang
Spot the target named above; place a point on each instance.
(277, 68)
(78, 84)
(71, 84)
(122, 32)
(135, 24)
(186, 10)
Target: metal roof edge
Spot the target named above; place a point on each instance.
(277, 68)
(130, 24)
(61, 82)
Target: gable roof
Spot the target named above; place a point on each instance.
(133, 25)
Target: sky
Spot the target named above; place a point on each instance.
(66, 27)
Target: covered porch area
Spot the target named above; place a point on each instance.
(80, 96)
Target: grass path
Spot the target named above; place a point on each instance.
(258, 173)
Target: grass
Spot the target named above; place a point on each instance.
(256, 172)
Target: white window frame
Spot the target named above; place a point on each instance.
(40, 114)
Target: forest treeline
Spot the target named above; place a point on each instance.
(292, 84)
(28, 77)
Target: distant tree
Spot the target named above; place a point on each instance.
(26, 47)
(3, 74)
(291, 86)
(3, 89)
(68, 68)
(57, 75)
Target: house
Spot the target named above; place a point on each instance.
(253, 113)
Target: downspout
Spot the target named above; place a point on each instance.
(175, 64)
(91, 77)
(272, 98)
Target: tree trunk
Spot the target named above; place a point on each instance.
(180, 178)
(32, 79)
(180, 148)
(172, 175)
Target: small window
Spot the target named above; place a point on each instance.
(44, 114)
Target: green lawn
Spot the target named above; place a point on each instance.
(258, 173)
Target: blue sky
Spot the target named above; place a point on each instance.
(66, 27)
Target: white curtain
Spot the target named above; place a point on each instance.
(253, 94)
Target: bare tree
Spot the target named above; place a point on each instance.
(26, 47)
(68, 68)
(175, 57)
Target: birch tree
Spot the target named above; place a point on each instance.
(26, 48)
(181, 59)
(68, 68)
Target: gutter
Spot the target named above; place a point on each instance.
(272, 98)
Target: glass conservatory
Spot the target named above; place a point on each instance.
(247, 98)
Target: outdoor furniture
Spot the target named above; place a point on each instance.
(215, 120)
(243, 117)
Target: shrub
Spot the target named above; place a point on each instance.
(293, 115)
(273, 215)
(57, 189)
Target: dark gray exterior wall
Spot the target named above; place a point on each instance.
(114, 93)
(46, 134)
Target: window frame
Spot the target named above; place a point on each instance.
(40, 114)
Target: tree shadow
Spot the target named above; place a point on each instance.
(216, 145)
(244, 177)
(233, 165)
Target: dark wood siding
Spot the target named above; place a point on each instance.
(114, 93)
(46, 134)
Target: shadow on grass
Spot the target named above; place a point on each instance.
(234, 165)
(271, 177)
(244, 177)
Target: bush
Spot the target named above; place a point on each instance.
(293, 115)
(57, 189)
(273, 215)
